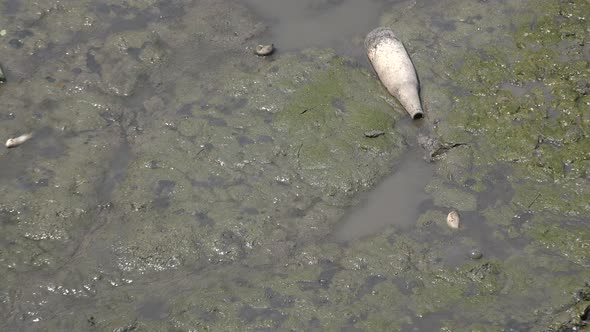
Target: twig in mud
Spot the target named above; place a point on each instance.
(534, 200)
(299, 150)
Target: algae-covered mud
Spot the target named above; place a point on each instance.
(175, 181)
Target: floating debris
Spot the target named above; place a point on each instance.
(374, 133)
(475, 254)
(14, 142)
(264, 50)
(453, 219)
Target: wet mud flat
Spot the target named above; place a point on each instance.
(177, 181)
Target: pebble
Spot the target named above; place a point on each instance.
(475, 253)
(453, 219)
(264, 50)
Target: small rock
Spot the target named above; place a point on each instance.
(264, 50)
(374, 133)
(453, 219)
(475, 254)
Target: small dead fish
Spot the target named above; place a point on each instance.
(374, 133)
(2, 75)
(14, 142)
(453, 219)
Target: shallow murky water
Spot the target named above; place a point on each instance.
(339, 24)
(397, 200)
(176, 181)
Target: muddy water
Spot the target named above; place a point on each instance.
(339, 24)
(178, 182)
(398, 200)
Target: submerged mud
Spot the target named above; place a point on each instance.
(178, 182)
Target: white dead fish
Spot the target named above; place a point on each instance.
(394, 68)
(14, 142)
(453, 219)
(2, 75)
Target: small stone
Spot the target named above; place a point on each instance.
(453, 219)
(264, 50)
(475, 254)
(374, 133)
